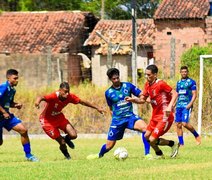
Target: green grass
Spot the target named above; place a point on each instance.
(193, 162)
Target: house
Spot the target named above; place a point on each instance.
(180, 25)
(43, 46)
(111, 42)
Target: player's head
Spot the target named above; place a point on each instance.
(151, 73)
(12, 77)
(64, 90)
(113, 75)
(184, 72)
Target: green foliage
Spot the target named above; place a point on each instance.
(120, 9)
(190, 58)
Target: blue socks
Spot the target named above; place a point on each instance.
(181, 141)
(146, 144)
(103, 151)
(195, 133)
(27, 149)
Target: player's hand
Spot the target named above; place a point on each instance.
(101, 110)
(6, 115)
(188, 106)
(129, 99)
(18, 106)
(37, 105)
(168, 111)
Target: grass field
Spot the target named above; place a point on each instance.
(193, 162)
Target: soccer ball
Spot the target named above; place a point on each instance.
(120, 153)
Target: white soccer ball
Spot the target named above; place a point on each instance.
(120, 153)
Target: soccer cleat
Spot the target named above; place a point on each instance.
(175, 149)
(148, 157)
(198, 140)
(66, 154)
(69, 142)
(92, 156)
(32, 158)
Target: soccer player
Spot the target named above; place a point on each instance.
(7, 119)
(52, 119)
(187, 93)
(162, 98)
(122, 113)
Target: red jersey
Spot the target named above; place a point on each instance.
(54, 105)
(159, 93)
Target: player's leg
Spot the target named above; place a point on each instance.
(178, 121)
(141, 126)
(53, 132)
(193, 131)
(160, 129)
(1, 136)
(71, 134)
(63, 147)
(115, 133)
(185, 122)
(16, 124)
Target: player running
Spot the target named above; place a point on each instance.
(7, 119)
(122, 113)
(52, 119)
(186, 88)
(162, 98)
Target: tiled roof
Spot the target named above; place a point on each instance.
(31, 32)
(182, 9)
(119, 33)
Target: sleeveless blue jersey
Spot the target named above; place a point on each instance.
(184, 89)
(116, 100)
(7, 94)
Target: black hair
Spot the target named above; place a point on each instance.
(184, 67)
(153, 68)
(11, 72)
(64, 85)
(111, 72)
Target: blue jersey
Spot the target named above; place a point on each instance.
(184, 89)
(116, 100)
(7, 94)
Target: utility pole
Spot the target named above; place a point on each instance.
(134, 50)
(103, 9)
(172, 58)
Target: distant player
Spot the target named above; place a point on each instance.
(7, 119)
(122, 113)
(162, 98)
(52, 119)
(186, 88)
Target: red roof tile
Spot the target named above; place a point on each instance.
(182, 9)
(119, 33)
(31, 32)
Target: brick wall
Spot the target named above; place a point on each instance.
(33, 68)
(186, 33)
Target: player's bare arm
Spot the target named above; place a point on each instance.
(38, 101)
(138, 100)
(4, 113)
(194, 96)
(16, 105)
(169, 108)
(88, 104)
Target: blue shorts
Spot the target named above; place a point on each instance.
(182, 115)
(8, 123)
(116, 132)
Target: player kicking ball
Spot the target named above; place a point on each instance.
(162, 98)
(52, 119)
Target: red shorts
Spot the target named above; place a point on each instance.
(159, 125)
(51, 126)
